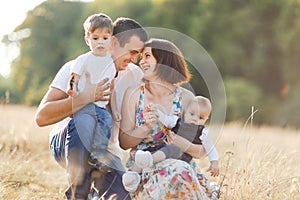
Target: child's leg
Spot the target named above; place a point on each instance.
(158, 156)
(142, 160)
(169, 151)
(73, 83)
(102, 134)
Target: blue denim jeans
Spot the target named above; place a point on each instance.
(102, 130)
(71, 149)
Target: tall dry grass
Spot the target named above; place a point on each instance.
(256, 163)
(27, 170)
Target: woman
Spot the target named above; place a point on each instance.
(164, 70)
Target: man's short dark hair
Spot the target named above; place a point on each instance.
(125, 28)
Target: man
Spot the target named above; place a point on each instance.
(69, 147)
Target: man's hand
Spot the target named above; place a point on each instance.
(91, 93)
(94, 92)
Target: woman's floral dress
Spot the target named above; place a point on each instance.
(171, 178)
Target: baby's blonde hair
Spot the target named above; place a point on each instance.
(203, 102)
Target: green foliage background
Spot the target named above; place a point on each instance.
(255, 45)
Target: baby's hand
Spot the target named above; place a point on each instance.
(150, 114)
(214, 168)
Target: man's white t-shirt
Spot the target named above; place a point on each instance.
(125, 79)
(99, 67)
(129, 77)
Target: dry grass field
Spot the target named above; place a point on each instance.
(256, 163)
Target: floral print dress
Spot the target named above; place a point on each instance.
(171, 178)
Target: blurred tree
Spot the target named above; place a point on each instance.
(254, 44)
(6, 85)
(241, 96)
(242, 38)
(42, 54)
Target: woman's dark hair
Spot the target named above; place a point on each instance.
(171, 65)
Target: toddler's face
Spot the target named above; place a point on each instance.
(99, 41)
(196, 114)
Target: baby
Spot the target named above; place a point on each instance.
(192, 129)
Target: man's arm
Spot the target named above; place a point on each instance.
(57, 105)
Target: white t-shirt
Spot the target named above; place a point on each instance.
(99, 67)
(209, 146)
(131, 76)
(125, 79)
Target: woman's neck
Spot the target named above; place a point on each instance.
(160, 88)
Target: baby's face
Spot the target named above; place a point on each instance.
(196, 115)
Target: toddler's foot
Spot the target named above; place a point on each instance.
(143, 159)
(131, 181)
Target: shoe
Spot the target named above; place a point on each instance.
(143, 159)
(94, 195)
(131, 181)
(102, 167)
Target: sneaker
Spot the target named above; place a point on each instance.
(131, 181)
(94, 195)
(101, 166)
(143, 159)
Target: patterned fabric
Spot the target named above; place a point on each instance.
(171, 178)
(156, 135)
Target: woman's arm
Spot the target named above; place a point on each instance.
(130, 135)
(195, 150)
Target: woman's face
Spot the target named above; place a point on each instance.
(148, 63)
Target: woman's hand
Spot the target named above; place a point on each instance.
(178, 141)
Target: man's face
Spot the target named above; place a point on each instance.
(122, 56)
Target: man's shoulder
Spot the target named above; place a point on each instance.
(133, 72)
(134, 67)
(136, 71)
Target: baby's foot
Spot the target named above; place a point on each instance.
(131, 181)
(143, 159)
